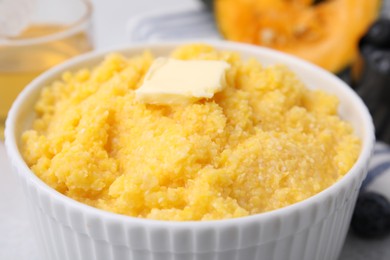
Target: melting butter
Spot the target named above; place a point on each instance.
(171, 81)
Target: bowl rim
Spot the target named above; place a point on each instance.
(21, 167)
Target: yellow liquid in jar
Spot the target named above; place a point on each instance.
(20, 64)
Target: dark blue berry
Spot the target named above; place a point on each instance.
(379, 34)
(366, 49)
(371, 218)
(380, 61)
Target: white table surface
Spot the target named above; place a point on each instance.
(110, 18)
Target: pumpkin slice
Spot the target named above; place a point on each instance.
(323, 32)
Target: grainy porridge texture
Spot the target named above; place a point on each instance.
(264, 142)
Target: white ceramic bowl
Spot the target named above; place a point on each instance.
(313, 229)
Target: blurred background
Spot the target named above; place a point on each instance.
(350, 38)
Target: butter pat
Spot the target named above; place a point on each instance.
(171, 81)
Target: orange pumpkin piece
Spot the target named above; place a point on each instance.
(325, 33)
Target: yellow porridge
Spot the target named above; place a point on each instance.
(263, 142)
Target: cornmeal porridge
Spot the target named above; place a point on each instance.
(263, 142)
